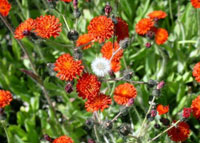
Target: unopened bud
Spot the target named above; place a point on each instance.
(48, 138)
(108, 125)
(91, 141)
(150, 34)
(130, 102)
(186, 112)
(125, 129)
(153, 113)
(160, 85)
(148, 44)
(108, 9)
(152, 83)
(127, 74)
(69, 87)
(72, 35)
(124, 43)
(165, 121)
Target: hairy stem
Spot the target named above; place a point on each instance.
(3, 123)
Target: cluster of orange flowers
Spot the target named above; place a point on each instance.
(5, 98)
(5, 7)
(43, 26)
(147, 26)
(195, 3)
(63, 139)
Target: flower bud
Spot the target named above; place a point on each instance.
(152, 83)
(150, 34)
(186, 112)
(77, 55)
(72, 35)
(149, 117)
(130, 102)
(124, 43)
(69, 87)
(77, 13)
(165, 121)
(89, 122)
(108, 9)
(91, 141)
(125, 129)
(157, 126)
(108, 125)
(160, 85)
(153, 113)
(148, 44)
(48, 138)
(127, 74)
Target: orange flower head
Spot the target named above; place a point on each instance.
(84, 41)
(47, 26)
(180, 132)
(196, 107)
(25, 28)
(101, 28)
(157, 15)
(144, 25)
(66, 0)
(161, 36)
(121, 29)
(5, 98)
(107, 51)
(100, 102)
(195, 3)
(5, 7)
(88, 86)
(162, 109)
(63, 139)
(196, 72)
(124, 92)
(68, 68)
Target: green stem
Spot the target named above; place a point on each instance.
(187, 42)
(198, 21)
(5, 129)
(144, 121)
(138, 115)
(170, 9)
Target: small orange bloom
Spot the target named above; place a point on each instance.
(144, 25)
(5, 7)
(196, 107)
(124, 92)
(161, 36)
(68, 68)
(195, 3)
(85, 41)
(162, 109)
(121, 29)
(63, 139)
(47, 26)
(107, 51)
(179, 133)
(25, 28)
(66, 0)
(88, 86)
(196, 72)
(100, 102)
(5, 98)
(157, 15)
(101, 28)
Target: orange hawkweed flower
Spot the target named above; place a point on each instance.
(5, 7)
(121, 29)
(88, 86)
(63, 139)
(85, 41)
(180, 132)
(144, 25)
(25, 28)
(162, 109)
(107, 52)
(157, 15)
(5, 98)
(196, 72)
(124, 92)
(47, 26)
(161, 36)
(66, 0)
(196, 107)
(100, 102)
(68, 68)
(195, 3)
(101, 28)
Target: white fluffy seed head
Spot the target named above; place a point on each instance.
(101, 66)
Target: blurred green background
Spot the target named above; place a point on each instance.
(28, 115)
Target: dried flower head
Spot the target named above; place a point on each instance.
(196, 107)
(101, 28)
(107, 52)
(100, 102)
(157, 15)
(195, 3)
(124, 92)
(47, 26)
(88, 86)
(186, 112)
(68, 68)
(196, 72)
(161, 36)
(180, 132)
(162, 109)
(5, 98)
(101, 66)
(63, 139)
(25, 28)
(5, 7)
(144, 25)
(121, 29)
(85, 41)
